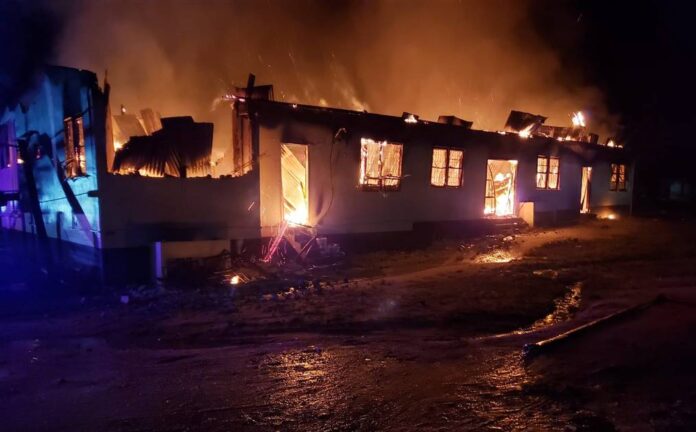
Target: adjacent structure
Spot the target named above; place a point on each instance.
(129, 189)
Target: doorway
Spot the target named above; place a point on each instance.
(294, 160)
(500, 188)
(585, 189)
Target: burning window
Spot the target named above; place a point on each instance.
(500, 188)
(618, 179)
(548, 172)
(74, 139)
(294, 160)
(447, 167)
(380, 164)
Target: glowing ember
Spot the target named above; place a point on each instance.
(497, 256)
(411, 119)
(578, 119)
(273, 247)
(611, 143)
(234, 280)
(146, 172)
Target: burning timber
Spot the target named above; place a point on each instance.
(295, 182)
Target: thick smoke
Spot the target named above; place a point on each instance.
(474, 59)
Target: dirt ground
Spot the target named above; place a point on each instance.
(419, 340)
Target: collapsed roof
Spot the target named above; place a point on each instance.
(519, 121)
(181, 148)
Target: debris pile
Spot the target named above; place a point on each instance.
(292, 264)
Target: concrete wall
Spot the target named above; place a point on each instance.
(137, 211)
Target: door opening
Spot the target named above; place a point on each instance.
(585, 189)
(500, 188)
(294, 160)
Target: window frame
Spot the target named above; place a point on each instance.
(616, 182)
(75, 164)
(364, 178)
(547, 173)
(447, 167)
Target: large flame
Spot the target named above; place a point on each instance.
(299, 216)
(503, 192)
(526, 132)
(578, 119)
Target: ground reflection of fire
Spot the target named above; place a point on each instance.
(495, 257)
(297, 372)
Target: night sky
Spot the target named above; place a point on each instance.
(643, 59)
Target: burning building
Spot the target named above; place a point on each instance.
(132, 188)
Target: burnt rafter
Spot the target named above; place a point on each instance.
(181, 148)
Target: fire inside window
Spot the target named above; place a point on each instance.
(447, 167)
(380, 164)
(75, 158)
(548, 172)
(618, 179)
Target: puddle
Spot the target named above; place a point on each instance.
(564, 307)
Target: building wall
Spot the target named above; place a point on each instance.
(270, 186)
(137, 211)
(9, 180)
(338, 205)
(60, 93)
(10, 216)
(602, 199)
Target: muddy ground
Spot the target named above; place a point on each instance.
(418, 340)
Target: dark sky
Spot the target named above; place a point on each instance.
(28, 37)
(642, 57)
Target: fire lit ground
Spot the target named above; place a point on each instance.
(404, 340)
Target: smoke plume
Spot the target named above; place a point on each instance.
(473, 59)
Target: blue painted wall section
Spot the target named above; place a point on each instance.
(69, 207)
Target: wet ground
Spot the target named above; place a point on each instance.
(433, 344)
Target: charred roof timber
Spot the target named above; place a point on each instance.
(454, 121)
(519, 121)
(181, 148)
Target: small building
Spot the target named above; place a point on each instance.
(68, 175)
